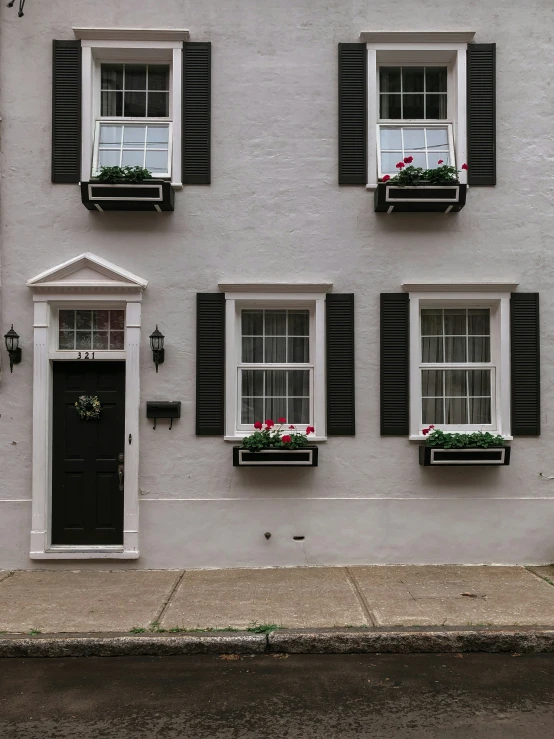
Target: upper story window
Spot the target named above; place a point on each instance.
(408, 94)
(133, 127)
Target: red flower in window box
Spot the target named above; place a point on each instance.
(441, 161)
(269, 423)
(464, 166)
(310, 430)
(408, 160)
(427, 430)
(258, 425)
(286, 439)
(386, 178)
(400, 165)
(281, 420)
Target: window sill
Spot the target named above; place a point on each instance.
(85, 553)
(420, 437)
(240, 437)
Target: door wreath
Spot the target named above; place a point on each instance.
(88, 407)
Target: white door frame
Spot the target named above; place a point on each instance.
(87, 281)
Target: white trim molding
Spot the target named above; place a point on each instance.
(417, 37)
(132, 34)
(451, 296)
(299, 295)
(82, 281)
(473, 287)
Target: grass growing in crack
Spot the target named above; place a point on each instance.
(34, 632)
(137, 630)
(256, 628)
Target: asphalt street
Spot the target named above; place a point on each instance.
(478, 696)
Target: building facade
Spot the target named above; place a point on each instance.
(288, 276)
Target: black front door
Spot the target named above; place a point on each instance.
(87, 494)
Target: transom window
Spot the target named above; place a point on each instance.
(275, 373)
(457, 375)
(408, 94)
(91, 330)
(129, 92)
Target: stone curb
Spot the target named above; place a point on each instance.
(293, 641)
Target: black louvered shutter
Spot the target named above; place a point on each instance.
(525, 364)
(197, 92)
(481, 114)
(210, 364)
(341, 417)
(66, 111)
(395, 364)
(352, 114)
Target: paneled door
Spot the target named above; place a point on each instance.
(88, 470)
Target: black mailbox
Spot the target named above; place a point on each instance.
(163, 409)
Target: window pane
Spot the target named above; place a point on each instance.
(389, 79)
(101, 320)
(83, 319)
(432, 411)
(455, 349)
(158, 104)
(479, 349)
(480, 410)
(157, 161)
(158, 77)
(437, 138)
(117, 340)
(108, 158)
(67, 319)
(117, 319)
(100, 340)
(252, 382)
(275, 349)
(252, 410)
(276, 382)
(412, 79)
(419, 158)
(391, 138)
(455, 322)
(414, 138)
(135, 76)
(66, 340)
(110, 134)
(134, 135)
(112, 77)
(299, 411)
(252, 322)
(253, 350)
(456, 411)
(276, 408)
(299, 323)
(432, 350)
(157, 136)
(275, 323)
(112, 103)
(135, 104)
(435, 79)
(431, 322)
(434, 159)
(84, 340)
(432, 383)
(389, 161)
(299, 382)
(413, 106)
(479, 382)
(131, 158)
(298, 350)
(436, 107)
(455, 382)
(479, 321)
(391, 106)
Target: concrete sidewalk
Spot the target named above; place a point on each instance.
(135, 601)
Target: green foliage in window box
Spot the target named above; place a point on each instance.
(476, 440)
(116, 175)
(268, 436)
(444, 174)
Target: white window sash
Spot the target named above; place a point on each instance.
(411, 124)
(315, 303)
(499, 305)
(134, 121)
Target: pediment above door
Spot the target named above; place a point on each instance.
(87, 273)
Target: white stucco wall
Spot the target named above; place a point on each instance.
(274, 212)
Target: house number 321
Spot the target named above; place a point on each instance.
(85, 355)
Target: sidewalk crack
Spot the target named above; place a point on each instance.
(167, 600)
(368, 613)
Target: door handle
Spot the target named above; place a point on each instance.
(121, 471)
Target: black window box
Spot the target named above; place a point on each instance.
(419, 198)
(305, 457)
(432, 456)
(154, 195)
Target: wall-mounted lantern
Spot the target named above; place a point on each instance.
(157, 346)
(21, 6)
(12, 345)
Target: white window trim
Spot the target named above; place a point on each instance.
(273, 296)
(422, 48)
(60, 287)
(94, 51)
(499, 302)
